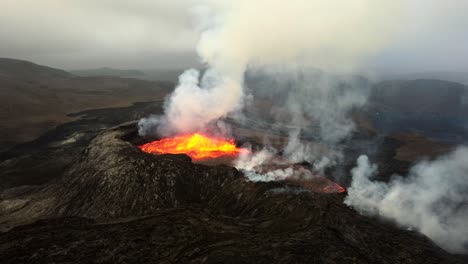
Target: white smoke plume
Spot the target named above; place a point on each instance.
(431, 199)
(251, 165)
(240, 34)
(321, 157)
(248, 161)
(312, 107)
(306, 98)
(196, 103)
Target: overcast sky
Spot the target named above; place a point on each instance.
(76, 34)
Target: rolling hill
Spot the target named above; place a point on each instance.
(36, 98)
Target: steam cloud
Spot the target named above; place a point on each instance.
(431, 199)
(313, 108)
(242, 34)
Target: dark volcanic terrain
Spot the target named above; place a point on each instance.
(116, 204)
(83, 192)
(35, 98)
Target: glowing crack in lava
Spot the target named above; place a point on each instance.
(296, 175)
(197, 146)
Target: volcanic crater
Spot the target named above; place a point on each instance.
(216, 150)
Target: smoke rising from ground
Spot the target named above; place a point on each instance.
(307, 99)
(184, 111)
(431, 199)
(312, 107)
(237, 35)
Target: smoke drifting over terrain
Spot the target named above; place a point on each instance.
(278, 45)
(313, 108)
(431, 199)
(310, 99)
(236, 35)
(281, 42)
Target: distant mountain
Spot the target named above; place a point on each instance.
(11, 69)
(169, 75)
(36, 98)
(105, 71)
(459, 77)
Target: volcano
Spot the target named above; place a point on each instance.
(201, 147)
(118, 204)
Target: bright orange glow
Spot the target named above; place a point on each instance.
(197, 146)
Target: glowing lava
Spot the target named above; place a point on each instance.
(323, 185)
(197, 146)
(299, 175)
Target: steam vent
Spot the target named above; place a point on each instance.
(119, 204)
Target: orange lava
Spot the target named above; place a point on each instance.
(197, 146)
(334, 189)
(304, 177)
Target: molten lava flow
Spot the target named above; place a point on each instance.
(324, 185)
(299, 175)
(197, 146)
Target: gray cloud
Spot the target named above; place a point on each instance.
(88, 33)
(433, 37)
(148, 33)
